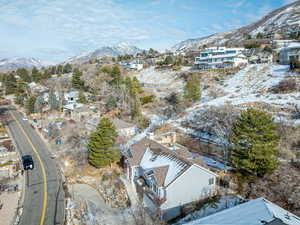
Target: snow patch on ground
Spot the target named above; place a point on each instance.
(250, 85)
(161, 82)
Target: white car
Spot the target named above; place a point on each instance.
(25, 119)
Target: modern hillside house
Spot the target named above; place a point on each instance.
(167, 178)
(220, 57)
(290, 53)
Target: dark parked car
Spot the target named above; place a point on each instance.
(27, 162)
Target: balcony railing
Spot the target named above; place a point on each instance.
(154, 196)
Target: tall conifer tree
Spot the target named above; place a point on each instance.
(101, 143)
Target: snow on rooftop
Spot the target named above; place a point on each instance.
(151, 160)
(215, 164)
(293, 45)
(73, 106)
(250, 213)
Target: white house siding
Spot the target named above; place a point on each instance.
(192, 185)
(240, 60)
(148, 204)
(287, 53)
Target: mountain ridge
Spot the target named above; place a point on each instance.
(109, 51)
(281, 20)
(11, 64)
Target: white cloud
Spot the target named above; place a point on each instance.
(72, 26)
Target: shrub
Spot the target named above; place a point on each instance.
(288, 85)
(147, 99)
(176, 68)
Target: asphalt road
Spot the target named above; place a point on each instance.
(44, 195)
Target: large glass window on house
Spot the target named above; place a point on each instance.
(231, 52)
(211, 181)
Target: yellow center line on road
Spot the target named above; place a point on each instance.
(42, 220)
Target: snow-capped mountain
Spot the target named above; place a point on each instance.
(11, 64)
(110, 51)
(281, 21)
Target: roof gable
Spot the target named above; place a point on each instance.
(153, 160)
(166, 164)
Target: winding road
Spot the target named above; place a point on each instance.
(44, 195)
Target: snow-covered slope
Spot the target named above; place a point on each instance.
(161, 82)
(110, 51)
(247, 88)
(10, 64)
(280, 21)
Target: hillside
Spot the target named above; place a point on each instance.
(110, 51)
(280, 21)
(251, 87)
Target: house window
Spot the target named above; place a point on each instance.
(211, 181)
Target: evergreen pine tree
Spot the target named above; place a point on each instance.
(77, 83)
(135, 106)
(115, 74)
(67, 68)
(101, 143)
(111, 103)
(24, 75)
(30, 103)
(192, 91)
(136, 87)
(53, 101)
(255, 143)
(36, 75)
(20, 91)
(169, 60)
(9, 82)
(59, 69)
(81, 98)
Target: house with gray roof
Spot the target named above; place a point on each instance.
(167, 179)
(254, 212)
(124, 128)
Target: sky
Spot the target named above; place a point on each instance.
(54, 30)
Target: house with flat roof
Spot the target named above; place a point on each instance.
(289, 53)
(254, 212)
(220, 57)
(167, 178)
(256, 56)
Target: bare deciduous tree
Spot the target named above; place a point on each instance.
(216, 122)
